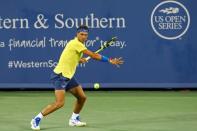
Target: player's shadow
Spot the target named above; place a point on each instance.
(52, 128)
(43, 128)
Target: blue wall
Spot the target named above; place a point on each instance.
(150, 60)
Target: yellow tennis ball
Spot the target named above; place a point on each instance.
(96, 86)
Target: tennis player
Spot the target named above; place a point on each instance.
(63, 78)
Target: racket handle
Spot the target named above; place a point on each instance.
(87, 58)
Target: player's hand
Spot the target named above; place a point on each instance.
(116, 61)
(83, 60)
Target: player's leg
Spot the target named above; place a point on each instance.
(80, 98)
(60, 83)
(59, 102)
(76, 90)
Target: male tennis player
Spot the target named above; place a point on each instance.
(63, 80)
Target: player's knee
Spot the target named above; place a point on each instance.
(83, 98)
(59, 104)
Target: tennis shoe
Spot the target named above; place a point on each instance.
(35, 123)
(76, 122)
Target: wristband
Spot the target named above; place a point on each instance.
(104, 59)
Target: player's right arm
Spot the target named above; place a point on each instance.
(96, 56)
(93, 55)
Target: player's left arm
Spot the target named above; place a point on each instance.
(116, 61)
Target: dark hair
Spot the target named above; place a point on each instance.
(82, 27)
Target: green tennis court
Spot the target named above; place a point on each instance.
(104, 111)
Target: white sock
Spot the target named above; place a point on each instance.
(40, 115)
(74, 115)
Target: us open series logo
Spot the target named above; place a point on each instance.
(170, 20)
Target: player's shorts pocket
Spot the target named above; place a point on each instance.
(59, 81)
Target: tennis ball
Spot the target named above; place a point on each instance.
(96, 86)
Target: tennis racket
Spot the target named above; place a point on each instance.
(104, 46)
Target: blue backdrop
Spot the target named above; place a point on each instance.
(156, 39)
